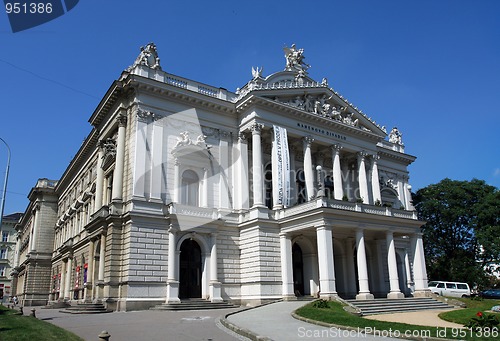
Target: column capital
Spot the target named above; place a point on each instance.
(241, 136)
(375, 157)
(122, 120)
(172, 229)
(284, 234)
(256, 128)
(362, 154)
(224, 134)
(336, 147)
(324, 227)
(308, 140)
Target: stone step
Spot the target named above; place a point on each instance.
(86, 308)
(388, 306)
(196, 304)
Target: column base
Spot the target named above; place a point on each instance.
(173, 292)
(422, 293)
(328, 295)
(289, 298)
(215, 292)
(364, 296)
(259, 212)
(395, 295)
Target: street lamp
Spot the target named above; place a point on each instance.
(2, 203)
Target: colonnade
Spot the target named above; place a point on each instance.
(326, 265)
(337, 167)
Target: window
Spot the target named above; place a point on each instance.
(2, 270)
(451, 286)
(462, 286)
(5, 236)
(190, 188)
(440, 285)
(3, 253)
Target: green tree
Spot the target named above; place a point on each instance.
(462, 233)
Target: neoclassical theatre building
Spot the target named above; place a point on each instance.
(185, 190)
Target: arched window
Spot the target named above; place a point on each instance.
(190, 188)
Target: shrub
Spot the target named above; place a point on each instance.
(482, 321)
(320, 304)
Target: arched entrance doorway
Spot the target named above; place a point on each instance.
(298, 270)
(190, 270)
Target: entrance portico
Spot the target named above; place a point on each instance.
(346, 258)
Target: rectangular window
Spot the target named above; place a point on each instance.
(2, 270)
(3, 253)
(5, 236)
(450, 286)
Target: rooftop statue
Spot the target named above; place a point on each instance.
(148, 57)
(295, 59)
(395, 136)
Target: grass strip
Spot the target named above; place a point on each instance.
(14, 327)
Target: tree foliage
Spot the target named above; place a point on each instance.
(462, 233)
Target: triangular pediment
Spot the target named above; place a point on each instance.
(316, 98)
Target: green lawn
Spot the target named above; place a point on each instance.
(336, 315)
(24, 328)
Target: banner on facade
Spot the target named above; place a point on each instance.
(283, 165)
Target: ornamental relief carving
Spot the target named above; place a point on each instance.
(323, 106)
(109, 152)
(388, 179)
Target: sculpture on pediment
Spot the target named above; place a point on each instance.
(395, 136)
(349, 119)
(257, 73)
(148, 57)
(295, 59)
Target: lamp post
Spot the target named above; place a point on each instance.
(4, 192)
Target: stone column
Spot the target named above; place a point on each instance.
(257, 171)
(172, 280)
(409, 282)
(338, 191)
(364, 289)
(286, 267)
(375, 180)
(177, 182)
(90, 272)
(36, 222)
(241, 176)
(215, 285)
(102, 255)
(62, 283)
(308, 171)
(100, 179)
(419, 270)
(363, 183)
(351, 273)
(327, 288)
(223, 171)
(120, 159)
(392, 265)
(67, 285)
(204, 189)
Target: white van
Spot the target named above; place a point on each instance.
(452, 289)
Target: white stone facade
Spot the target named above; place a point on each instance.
(184, 190)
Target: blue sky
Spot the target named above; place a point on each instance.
(431, 68)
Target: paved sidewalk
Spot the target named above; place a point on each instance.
(275, 322)
(150, 325)
(272, 321)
